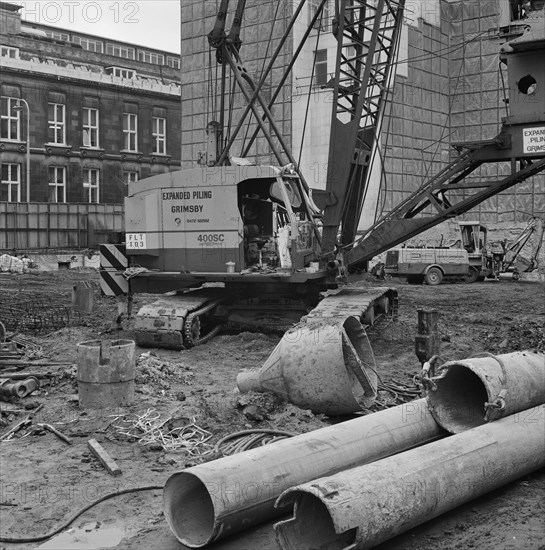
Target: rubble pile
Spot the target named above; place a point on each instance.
(268, 408)
(160, 374)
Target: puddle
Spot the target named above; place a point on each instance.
(91, 536)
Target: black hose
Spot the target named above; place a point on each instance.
(63, 526)
(247, 433)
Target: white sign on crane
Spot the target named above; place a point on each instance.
(534, 140)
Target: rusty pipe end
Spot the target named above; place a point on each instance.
(457, 402)
(474, 391)
(189, 510)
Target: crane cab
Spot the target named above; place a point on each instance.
(205, 219)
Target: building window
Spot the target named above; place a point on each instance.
(173, 62)
(320, 68)
(150, 57)
(130, 132)
(313, 6)
(88, 44)
(91, 181)
(124, 73)
(58, 35)
(120, 51)
(10, 190)
(10, 121)
(57, 184)
(159, 135)
(8, 51)
(56, 132)
(120, 72)
(130, 177)
(90, 127)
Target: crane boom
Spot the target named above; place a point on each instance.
(368, 35)
(441, 197)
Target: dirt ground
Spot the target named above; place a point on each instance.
(44, 480)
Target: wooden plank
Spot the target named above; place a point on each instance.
(105, 459)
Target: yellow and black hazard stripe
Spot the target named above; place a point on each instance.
(113, 263)
(113, 256)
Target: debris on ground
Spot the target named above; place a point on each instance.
(528, 335)
(56, 432)
(161, 374)
(156, 432)
(35, 312)
(27, 421)
(186, 404)
(13, 264)
(258, 407)
(9, 387)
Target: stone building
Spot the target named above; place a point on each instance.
(103, 114)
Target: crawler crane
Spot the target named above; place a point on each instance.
(233, 241)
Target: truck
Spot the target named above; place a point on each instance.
(429, 265)
(233, 241)
(471, 258)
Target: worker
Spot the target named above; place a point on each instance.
(516, 9)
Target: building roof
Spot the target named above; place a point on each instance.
(39, 30)
(7, 6)
(41, 26)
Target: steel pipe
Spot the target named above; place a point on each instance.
(21, 388)
(365, 506)
(212, 500)
(466, 394)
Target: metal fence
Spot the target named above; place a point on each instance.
(27, 226)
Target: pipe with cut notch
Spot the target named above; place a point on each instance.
(212, 500)
(365, 506)
(468, 393)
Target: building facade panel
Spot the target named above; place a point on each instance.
(480, 99)
(201, 94)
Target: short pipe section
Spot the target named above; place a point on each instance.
(106, 373)
(473, 391)
(362, 507)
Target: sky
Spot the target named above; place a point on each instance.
(152, 23)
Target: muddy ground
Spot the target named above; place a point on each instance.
(44, 480)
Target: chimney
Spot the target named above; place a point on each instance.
(10, 18)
